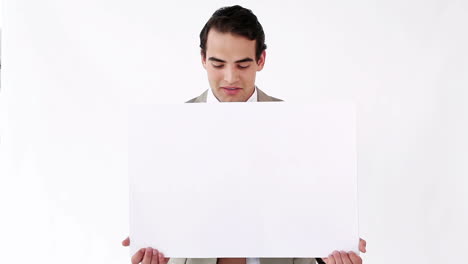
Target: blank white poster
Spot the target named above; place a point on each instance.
(243, 180)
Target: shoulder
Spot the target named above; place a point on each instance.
(199, 99)
(263, 97)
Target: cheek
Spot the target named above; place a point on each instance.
(214, 75)
(249, 76)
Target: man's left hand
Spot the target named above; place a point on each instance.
(341, 257)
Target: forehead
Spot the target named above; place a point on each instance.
(229, 46)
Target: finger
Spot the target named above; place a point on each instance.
(325, 260)
(355, 258)
(345, 258)
(148, 256)
(331, 259)
(362, 245)
(126, 242)
(155, 258)
(138, 256)
(337, 256)
(162, 259)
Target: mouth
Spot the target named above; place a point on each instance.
(231, 90)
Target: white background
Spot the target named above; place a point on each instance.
(69, 69)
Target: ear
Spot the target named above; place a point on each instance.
(203, 59)
(261, 61)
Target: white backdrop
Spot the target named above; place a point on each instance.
(70, 68)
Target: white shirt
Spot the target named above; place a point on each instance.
(210, 98)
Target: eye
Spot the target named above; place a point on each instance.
(218, 65)
(243, 66)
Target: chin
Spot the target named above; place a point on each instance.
(231, 99)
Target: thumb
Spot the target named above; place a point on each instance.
(126, 242)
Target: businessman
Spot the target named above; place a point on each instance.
(233, 48)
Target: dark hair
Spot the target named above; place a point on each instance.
(236, 20)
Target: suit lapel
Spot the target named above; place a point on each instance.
(263, 97)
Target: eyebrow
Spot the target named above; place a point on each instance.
(237, 61)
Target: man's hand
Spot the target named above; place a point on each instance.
(341, 257)
(153, 256)
(146, 255)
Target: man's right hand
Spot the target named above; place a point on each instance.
(146, 255)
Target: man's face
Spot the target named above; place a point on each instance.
(231, 66)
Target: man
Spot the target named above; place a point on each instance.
(232, 51)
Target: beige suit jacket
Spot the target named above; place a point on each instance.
(261, 97)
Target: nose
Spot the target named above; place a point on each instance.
(231, 75)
